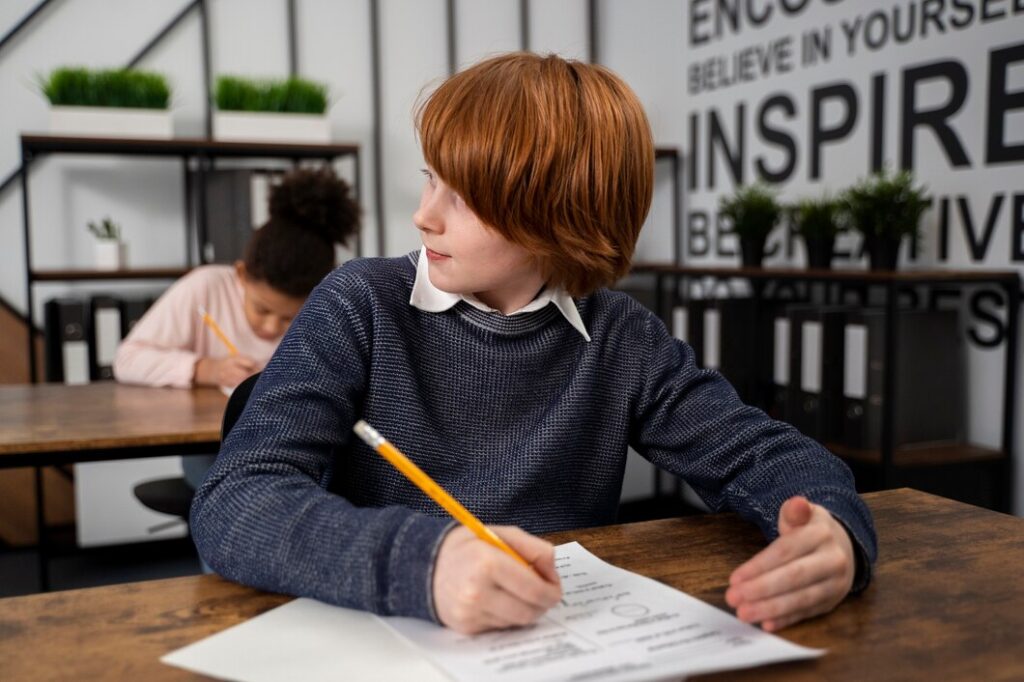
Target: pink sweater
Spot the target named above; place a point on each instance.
(163, 347)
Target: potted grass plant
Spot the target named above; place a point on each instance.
(289, 110)
(111, 252)
(818, 222)
(885, 208)
(754, 211)
(108, 103)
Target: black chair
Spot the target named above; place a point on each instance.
(174, 495)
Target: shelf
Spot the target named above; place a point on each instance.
(198, 154)
(666, 153)
(807, 274)
(922, 455)
(181, 146)
(81, 275)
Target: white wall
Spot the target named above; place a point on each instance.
(644, 41)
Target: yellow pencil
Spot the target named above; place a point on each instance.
(376, 441)
(217, 331)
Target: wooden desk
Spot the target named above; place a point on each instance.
(52, 424)
(47, 424)
(947, 602)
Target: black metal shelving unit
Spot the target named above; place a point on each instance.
(201, 153)
(895, 466)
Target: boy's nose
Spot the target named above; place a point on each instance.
(426, 219)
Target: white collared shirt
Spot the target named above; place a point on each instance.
(429, 298)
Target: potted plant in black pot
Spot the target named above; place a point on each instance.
(818, 222)
(754, 211)
(885, 208)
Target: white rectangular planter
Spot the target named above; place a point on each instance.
(249, 126)
(111, 254)
(111, 122)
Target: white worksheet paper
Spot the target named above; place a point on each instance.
(614, 626)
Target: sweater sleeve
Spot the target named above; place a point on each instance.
(160, 350)
(263, 516)
(689, 421)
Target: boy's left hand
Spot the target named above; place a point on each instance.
(804, 572)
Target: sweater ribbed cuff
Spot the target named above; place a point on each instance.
(411, 567)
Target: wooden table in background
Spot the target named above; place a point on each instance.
(46, 424)
(947, 602)
(53, 424)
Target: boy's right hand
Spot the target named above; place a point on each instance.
(478, 587)
(227, 372)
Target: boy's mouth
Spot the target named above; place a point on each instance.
(435, 256)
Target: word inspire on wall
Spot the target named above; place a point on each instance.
(811, 95)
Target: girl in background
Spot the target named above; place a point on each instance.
(253, 301)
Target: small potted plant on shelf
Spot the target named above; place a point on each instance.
(754, 211)
(111, 252)
(818, 222)
(290, 110)
(885, 208)
(108, 103)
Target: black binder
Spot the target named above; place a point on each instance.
(104, 335)
(234, 202)
(815, 369)
(66, 348)
(734, 336)
(688, 324)
(132, 310)
(779, 379)
(930, 378)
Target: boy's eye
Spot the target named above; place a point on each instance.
(430, 176)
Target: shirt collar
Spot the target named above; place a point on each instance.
(429, 298)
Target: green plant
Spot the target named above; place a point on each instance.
(886, 205)
(820, 218)
(754, 210)
(293, 95)
(76, 86)
(106, 229)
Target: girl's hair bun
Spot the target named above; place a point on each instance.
(316, 200)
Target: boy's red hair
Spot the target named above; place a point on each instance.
(554, 154)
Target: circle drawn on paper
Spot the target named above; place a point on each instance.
(630, 610)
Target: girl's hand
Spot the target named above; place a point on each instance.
(478, 587)
(227, 372)
(805, 572)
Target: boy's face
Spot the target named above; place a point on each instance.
(466, 257)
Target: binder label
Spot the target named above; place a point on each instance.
(108, 335)
(810, 357)
(712, 327)
(855, 371)
(780, 363)
(76, 362)
(679, 322)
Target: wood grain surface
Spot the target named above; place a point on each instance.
(59, 418)
(947, 602)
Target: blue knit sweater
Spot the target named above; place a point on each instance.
(518, 417)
